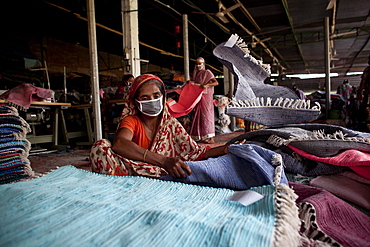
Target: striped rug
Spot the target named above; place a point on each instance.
(14, 147)
(73, 207)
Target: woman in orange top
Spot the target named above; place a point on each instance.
(149, 141)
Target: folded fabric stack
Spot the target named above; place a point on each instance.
(335, 163)
(315, 149)
(14, 147)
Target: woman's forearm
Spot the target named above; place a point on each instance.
(132, 151)
(128, 149)
(217, 151)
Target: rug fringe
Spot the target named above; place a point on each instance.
(320, 135)
(16, 107)
(316, 135)
(287, 224)
(310, 230)
(277, 141)
(25, 125)
(277, 160)
(286, 103)
(25, 130)
(244, 47)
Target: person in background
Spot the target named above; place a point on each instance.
(299, 92)
(353, 109)
(149, 141)
(364, 89)
(203, 123)
(124, 87)
(345, 90)
(363, 97)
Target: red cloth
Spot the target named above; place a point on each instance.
(356, 160)
(23, 94)
(190, 94)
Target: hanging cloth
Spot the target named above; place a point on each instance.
(190, 95)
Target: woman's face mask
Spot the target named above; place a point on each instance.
(151, 107)
(200, 66)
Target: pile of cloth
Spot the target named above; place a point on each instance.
(24, 94)
(327, 166)
(14, 147)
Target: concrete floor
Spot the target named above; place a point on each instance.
(43, 163)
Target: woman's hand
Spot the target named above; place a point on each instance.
(226, 146)
(176, 167)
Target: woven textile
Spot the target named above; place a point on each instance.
(246, 166)
(14, 148)
(189, 96)
(322, 212)
(72, 207)
(320, 140)
(22, 95)
(346, 188)
(7, 109)
(356, 160)
(255, 101)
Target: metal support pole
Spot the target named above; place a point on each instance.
(186, 47)
(94, 70)
(47, 74)
(327, 67)
(65, 83)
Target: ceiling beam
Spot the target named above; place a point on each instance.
(258, 40)
(285, 4)
(258, 28)
(358, 53)
(163, 52)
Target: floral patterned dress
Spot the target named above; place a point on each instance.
(171, 140)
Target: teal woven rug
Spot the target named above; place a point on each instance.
(73, 207)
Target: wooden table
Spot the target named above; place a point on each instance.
(89, 131)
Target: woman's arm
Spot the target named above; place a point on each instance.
(212, 83)
(220, 150)
(217, 151)
(124, 146)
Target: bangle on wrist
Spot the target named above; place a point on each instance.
(146, 151)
